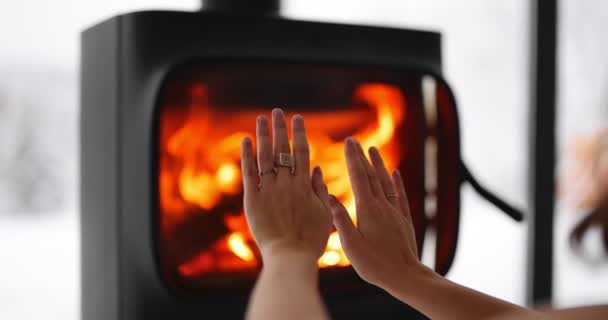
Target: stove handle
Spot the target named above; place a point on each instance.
(466, 176)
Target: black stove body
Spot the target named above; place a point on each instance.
(124, 62)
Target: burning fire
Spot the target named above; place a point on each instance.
(200, 173)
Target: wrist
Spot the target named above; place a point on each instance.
(288, 259)
(412, 281)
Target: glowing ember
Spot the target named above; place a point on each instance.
(236, 242)
(333, 243)
(228, 178)
(329, 258)
(200, 169)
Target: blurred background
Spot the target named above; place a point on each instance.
(486, 55)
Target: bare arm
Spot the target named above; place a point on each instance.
(383, 247)
(440, 298)
(586, 313)
(287, 289)
(288, 214)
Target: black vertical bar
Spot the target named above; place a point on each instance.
(542, 151)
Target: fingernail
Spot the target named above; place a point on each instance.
(373, 151)
(261, 120)
(246, 141)
(298, 122)
(277, 112)
(319, 171)
(350, 141)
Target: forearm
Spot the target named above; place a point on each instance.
(439, 298)
(287, 289)
(590, 313)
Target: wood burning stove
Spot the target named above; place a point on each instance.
(166, 98)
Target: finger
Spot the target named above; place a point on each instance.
(280, 141)
(301, 151)
(371, 174)
(405, 209)
(349, 235)
(400, 188)
(248, 168)
(385, 180)
(356, 172)
(265, 159)
(319, 187)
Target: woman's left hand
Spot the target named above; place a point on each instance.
(287, 209)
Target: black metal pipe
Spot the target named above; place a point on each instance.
(264, 7)
(542, 151)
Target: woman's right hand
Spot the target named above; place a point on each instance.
(382, 249)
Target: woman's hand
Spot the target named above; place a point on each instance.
(287, 212)
(383, 247)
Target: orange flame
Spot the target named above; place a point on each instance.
(200, 168)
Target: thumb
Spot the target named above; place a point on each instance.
(349, 235)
